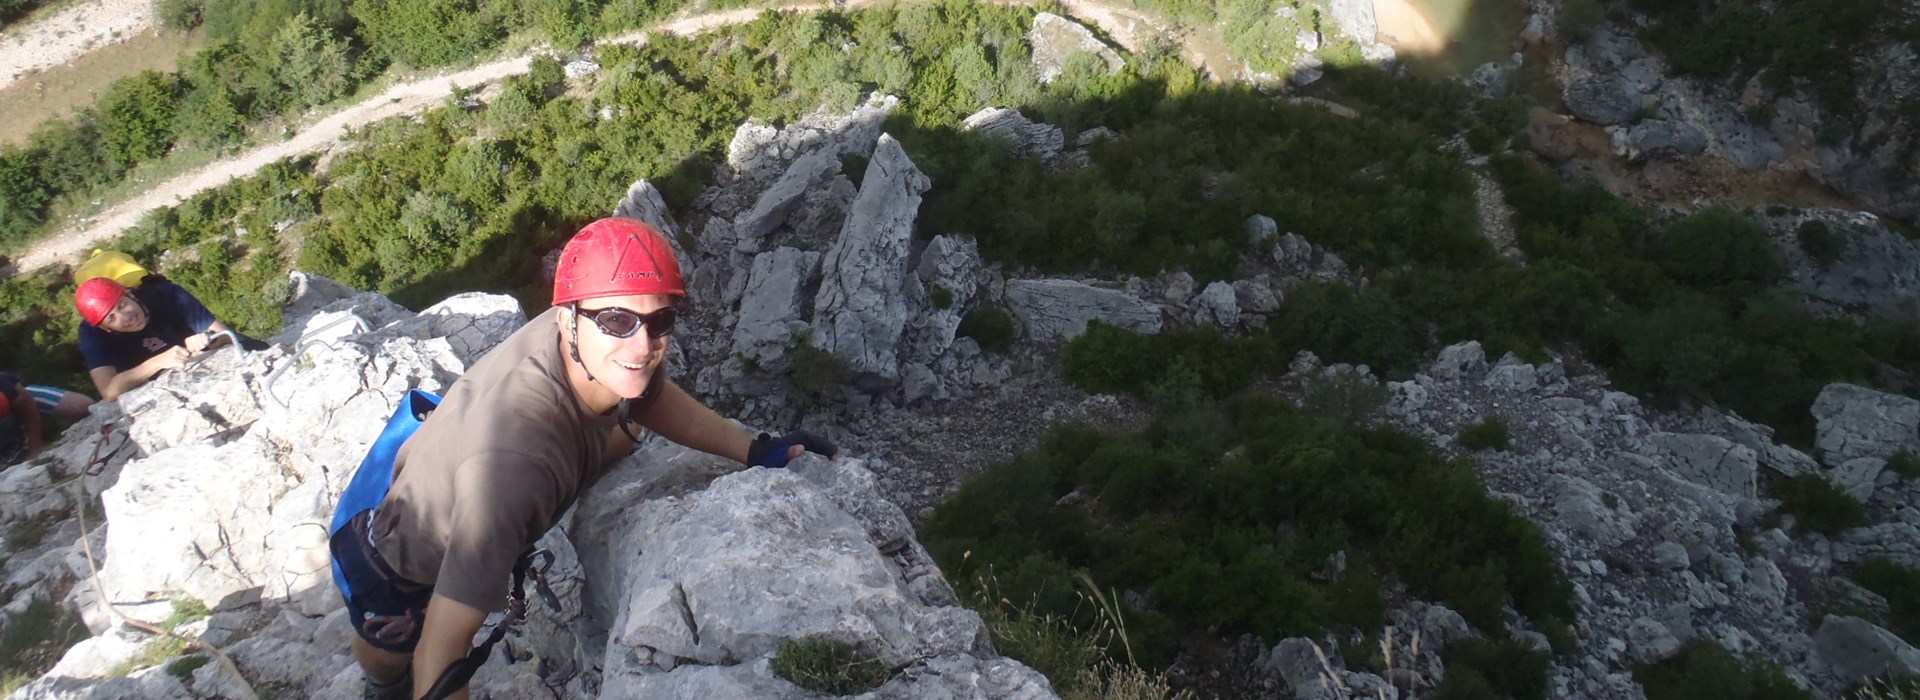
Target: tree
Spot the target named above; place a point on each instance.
(136, 118)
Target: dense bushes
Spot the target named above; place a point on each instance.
(1901, 587)
(1812, 41)
(1233, 540)
(1818, 505)
(1704, 671)
(1680, 313)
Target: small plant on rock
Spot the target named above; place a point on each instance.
(1488, 434)
(827, 666)
(990, 327)
(1818, 505)
(1905, 464)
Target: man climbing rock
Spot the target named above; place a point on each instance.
(517, 439)
(130, 335)
(20, 429)
(22, 408)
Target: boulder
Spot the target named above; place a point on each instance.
(778, 201)
(1053, 310)
(1656, 139)
(1355, 19)
(1056, 39)
(1856, 650)
(1296, 662)
(1650, 642)
(1710, 461)
(1025, 138)
(1853, 422)
(1261, 229)
(1218, 305)
(861, 309)
(949, 277)
(1581, 508)
(1602, 100)
(773, 310)
(1459, 361)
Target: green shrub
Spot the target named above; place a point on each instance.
(1578, 17)
(1508, 668)
(184, 666)
(1227, 531)
(990, 327)
(1818, 505)
(942, 298)
(1900, 586)
(1488, 434)
(826, 666)
(34, 640)
(1717, 247)
(1340, 325)
(1345, 398)
(1906, 464)
(1821, 242)
(1704, 671)
(136, 118)
(817, 371)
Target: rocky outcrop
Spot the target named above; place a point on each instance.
(1053, 310)
(1603, 100)
(777, 302)
(1870, 268)
(1056, 39)
(1024, 137)
(700, 572)
(1857, 650)
(861, 310)
(1659, 139)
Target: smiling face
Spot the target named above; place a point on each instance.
(128, 316)
(614, 368)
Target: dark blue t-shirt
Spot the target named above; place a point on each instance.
(172, 315)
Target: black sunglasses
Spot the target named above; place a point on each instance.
(623, 323)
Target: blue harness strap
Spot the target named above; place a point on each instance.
(375, 475)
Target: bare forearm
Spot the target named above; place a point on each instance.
(679, 417)
(445, 637)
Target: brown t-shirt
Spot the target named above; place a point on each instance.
(494, 467)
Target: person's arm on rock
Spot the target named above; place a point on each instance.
(679, 417)
(112, 383)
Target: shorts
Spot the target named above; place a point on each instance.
(385, 609)
(46, 397)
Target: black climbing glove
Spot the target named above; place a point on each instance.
(771, 452)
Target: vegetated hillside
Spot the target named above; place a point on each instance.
(1680, 310)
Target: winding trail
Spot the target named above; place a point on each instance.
(1132, 29)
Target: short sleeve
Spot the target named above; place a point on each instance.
(500, 498)
(93, 348)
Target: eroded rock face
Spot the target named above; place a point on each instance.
(1059, 310)
(1056, 39)
(861, 309)
(1602, 100)
(683, 563)
(1022, 135)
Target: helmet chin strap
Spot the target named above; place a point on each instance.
(573, 347)
(622, 409)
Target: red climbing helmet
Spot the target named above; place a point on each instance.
(96, 298)
(616, 257)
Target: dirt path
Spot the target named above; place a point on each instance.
(1132, 29)
(70, 34)
(1406, 28)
